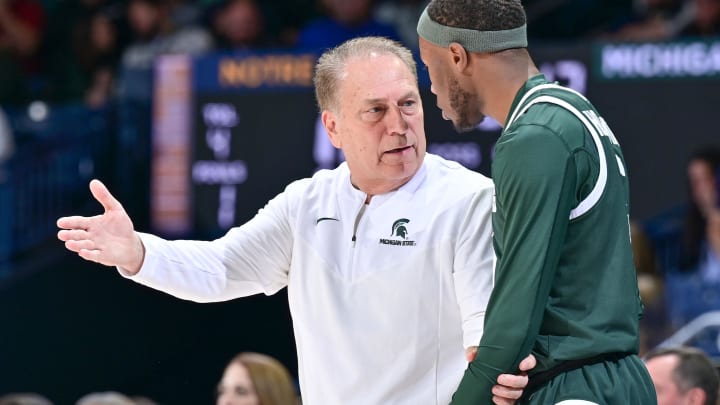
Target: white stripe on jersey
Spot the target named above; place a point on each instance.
(594, 196)
(535, 90)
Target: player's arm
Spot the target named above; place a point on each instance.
(533, 178)
(472, 271)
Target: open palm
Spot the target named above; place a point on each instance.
(108, 238)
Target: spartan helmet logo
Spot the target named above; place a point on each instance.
(399, 229)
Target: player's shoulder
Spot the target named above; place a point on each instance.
(565, 94)
(554, 106)
(552, 115)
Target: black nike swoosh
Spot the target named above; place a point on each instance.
(325, 219)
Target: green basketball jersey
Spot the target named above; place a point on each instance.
(565, 283)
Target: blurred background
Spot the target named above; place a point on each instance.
(197, 113)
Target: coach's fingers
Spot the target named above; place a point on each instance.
(91, 255)
(74, 222)
(103, 196)
(79, 245)
(506, 394)
(470, 353)
(75, 234)
(512, 381)
(502, 401)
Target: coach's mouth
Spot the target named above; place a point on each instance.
(400, 150)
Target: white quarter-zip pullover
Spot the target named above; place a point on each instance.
(384, 296)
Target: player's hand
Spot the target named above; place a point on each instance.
(109, 238)
(509, 387)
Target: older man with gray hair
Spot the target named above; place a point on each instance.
(683, 375)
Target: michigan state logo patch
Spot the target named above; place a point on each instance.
(399, 234)
(399, 229)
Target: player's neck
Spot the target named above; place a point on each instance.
(511, 75)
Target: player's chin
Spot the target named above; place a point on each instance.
(467, 125)
(464, 127)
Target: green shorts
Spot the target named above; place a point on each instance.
(624, 381)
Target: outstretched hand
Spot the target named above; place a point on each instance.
(108, 238)
(509, 387)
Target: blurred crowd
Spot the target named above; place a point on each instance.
(679, 278)
(693, 280)
(249, 378)
(72, 50)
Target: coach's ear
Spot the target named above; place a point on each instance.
(459, 56)
(696, 395)
(330, 123)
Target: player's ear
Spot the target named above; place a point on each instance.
(459, 56)
(330, 123)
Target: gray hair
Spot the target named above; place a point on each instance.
(105, 398)
(694, 370)
(331, 65)
(24, 398)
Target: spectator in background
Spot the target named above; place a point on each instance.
(21, 27)
(563, 19)
(654, 20)
(693, 285)
(343, 20)
(238, 24)
(286, 19)
(701, 234)
(403, 16)
(83, 48)
(683, 375)
(98, 51)
(154, 34)
(7, 141)
(705, 21)
(105, 398)
(256, 379)
(25, 398)
(184, 13)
